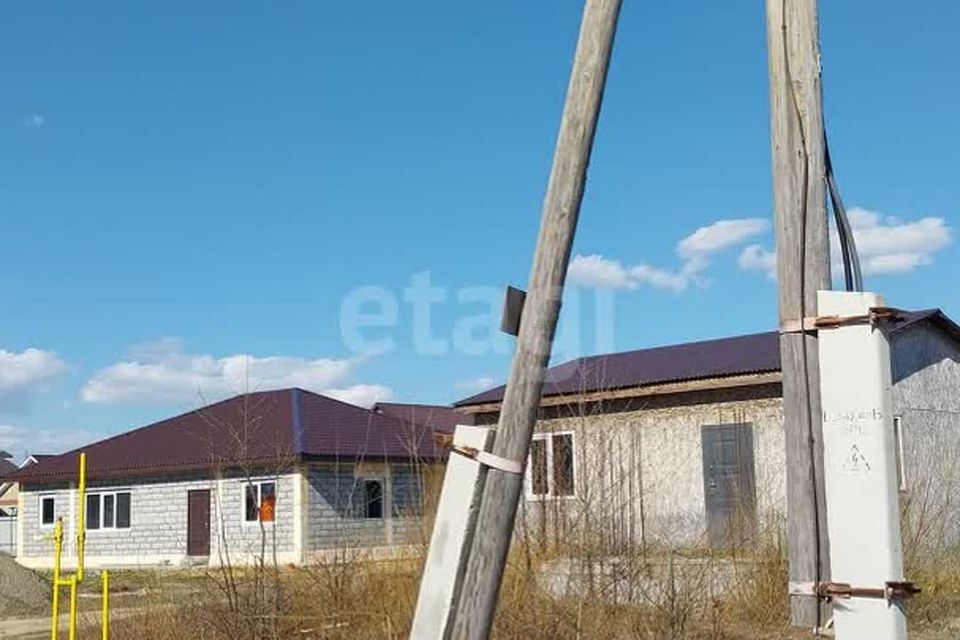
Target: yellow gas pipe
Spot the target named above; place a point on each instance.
(72, 632)
(57, 549)
(81, 513)
(73, 581)
(105, 597)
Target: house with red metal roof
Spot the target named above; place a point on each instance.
(298, 471)
(684, 444)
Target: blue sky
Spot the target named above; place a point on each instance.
(205, 197)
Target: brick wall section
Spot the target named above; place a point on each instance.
(158, 520)
(334, 506)
(245, 538)
(34, 543)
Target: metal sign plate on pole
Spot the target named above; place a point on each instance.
(452, 536)
(863, 517)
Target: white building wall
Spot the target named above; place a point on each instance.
(158, 523)
(640, 470)
(926, 398)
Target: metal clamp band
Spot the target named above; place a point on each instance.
(490, 460)
(891, 590)
(816, 323)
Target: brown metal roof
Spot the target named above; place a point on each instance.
(740, 355)
(261, 428)
(6, 468)
(435, 417)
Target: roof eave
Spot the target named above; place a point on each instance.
(757, 378)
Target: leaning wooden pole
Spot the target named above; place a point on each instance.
(803, 268)
(561, 208)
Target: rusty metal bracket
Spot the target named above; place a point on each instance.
(892, 591)
(816, 323)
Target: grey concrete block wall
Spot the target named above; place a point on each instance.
(248, 538)
(408, 504)
(926, 397)
(36, 539)
(639, 466)
(158, 520)
(334, 512)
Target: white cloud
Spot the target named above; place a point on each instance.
(162, 373)
(755, 258)
(475, 384)
(660, 278)
(27, 369)
(20, 441)
(720, 235)
(34, 120)
(695, 251)
(597, 271)
(362, 395)
(885, 245)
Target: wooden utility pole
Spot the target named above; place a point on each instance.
(803, 267)
(521, 401)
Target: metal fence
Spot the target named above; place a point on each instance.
(8, 535)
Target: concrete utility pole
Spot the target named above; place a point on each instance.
(803, 268)
(561, 208)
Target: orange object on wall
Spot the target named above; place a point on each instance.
(267, 508)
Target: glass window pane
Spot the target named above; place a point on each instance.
(250, 508)
(563, 465)
(93, 511)
(373, 492)
(123, 511)
(47, 506)
(268, 501)
(108, 511)
(538, 467)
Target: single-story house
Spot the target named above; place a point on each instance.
(9, 499)
(8, 489)
(8, 505)
(684, 444)
(289, 473)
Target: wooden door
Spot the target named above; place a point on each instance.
(728, 483)
(198, 522)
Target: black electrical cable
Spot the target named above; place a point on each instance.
(853, 278)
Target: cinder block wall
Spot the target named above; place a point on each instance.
(639, 466)
(158, 522)
(334, 495)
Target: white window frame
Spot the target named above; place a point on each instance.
(548, 450)
(40, 500)
(258, 483)
(100, 494)
(898, 452)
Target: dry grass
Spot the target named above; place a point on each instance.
(350, 598)
(365, 600)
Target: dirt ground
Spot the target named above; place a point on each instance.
(23, 593)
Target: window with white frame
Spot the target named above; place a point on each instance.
(551, 471)
(108, 510)
(48, 511)
(260, 501)
(898, 443)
